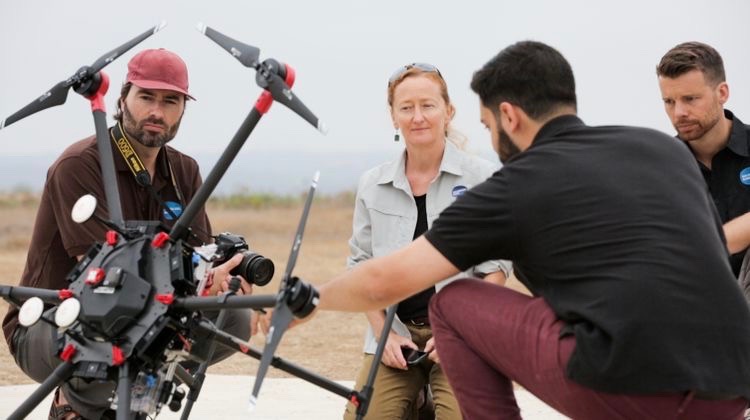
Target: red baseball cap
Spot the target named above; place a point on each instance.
(158, 69)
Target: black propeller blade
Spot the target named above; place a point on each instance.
(282, 315)
(268, 76)
(122, 49)
(59, 93)
(53, 97)
(245, 54)
(300, 231)
(282, 93)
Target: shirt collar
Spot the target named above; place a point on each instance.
(556, 125)
(738, 136)
(395, 171)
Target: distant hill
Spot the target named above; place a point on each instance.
(262, 171)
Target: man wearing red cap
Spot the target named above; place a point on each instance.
(155, 182)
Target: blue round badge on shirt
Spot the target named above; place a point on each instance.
(745, 176)
(175, 207)
(458, 190)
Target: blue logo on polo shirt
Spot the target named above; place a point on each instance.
(458, 190)
(745, 176)
(175, 207)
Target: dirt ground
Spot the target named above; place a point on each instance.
(329, 345)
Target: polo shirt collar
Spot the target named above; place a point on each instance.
(738, 136)
(395, 171)
(556, 125)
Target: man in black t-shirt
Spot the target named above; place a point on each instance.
(635, 311)
(694, 90)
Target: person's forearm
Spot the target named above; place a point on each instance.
(347, 293)
(377, 283)
(737, 232)
(376, 320)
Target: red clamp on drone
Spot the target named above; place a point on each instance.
(63, 294)
(111, 238)
(117, 357)
(95, 276)
(165, 298)
(68, 353)
(97, 98)
(160, 239)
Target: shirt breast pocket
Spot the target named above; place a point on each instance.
(392, 228)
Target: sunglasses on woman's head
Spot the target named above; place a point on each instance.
(428, 68)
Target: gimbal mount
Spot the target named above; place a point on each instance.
(133, 305)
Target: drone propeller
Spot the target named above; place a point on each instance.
(246, 54)
(289, 289)
(276, 78)
(59, 93)
(283, 93)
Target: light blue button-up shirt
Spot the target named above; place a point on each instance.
(385, 213)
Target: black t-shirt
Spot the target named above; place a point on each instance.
(417, 306)
(614, 228)
(729, 179)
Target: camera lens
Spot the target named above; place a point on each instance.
(255, 268)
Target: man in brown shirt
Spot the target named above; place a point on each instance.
(149, 112)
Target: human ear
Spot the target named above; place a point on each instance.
(723, 91)
(509, 117)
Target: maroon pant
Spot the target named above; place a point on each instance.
(488, 336)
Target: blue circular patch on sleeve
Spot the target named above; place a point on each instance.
(745, 176)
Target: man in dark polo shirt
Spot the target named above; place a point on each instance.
(148, 116)
(635, 312)
(694, 90)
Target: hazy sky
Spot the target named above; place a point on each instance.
(343, 53)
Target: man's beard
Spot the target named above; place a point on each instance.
(506, 148)
(698, 127)
(135, 129)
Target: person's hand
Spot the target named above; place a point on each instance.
(265, 320)
(220, 278)
(254, 321)
(392, 354)
(429, 348)
(498, 278)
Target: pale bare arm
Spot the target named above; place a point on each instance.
(737, 232)
(379, 282)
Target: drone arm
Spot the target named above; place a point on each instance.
(123, 392)
(19, 293)
(183, 376)
(180, 228)
(231, 342)
(109, 176)
(58, 376)
(215, 302)
(200, 374)
(362, 399)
